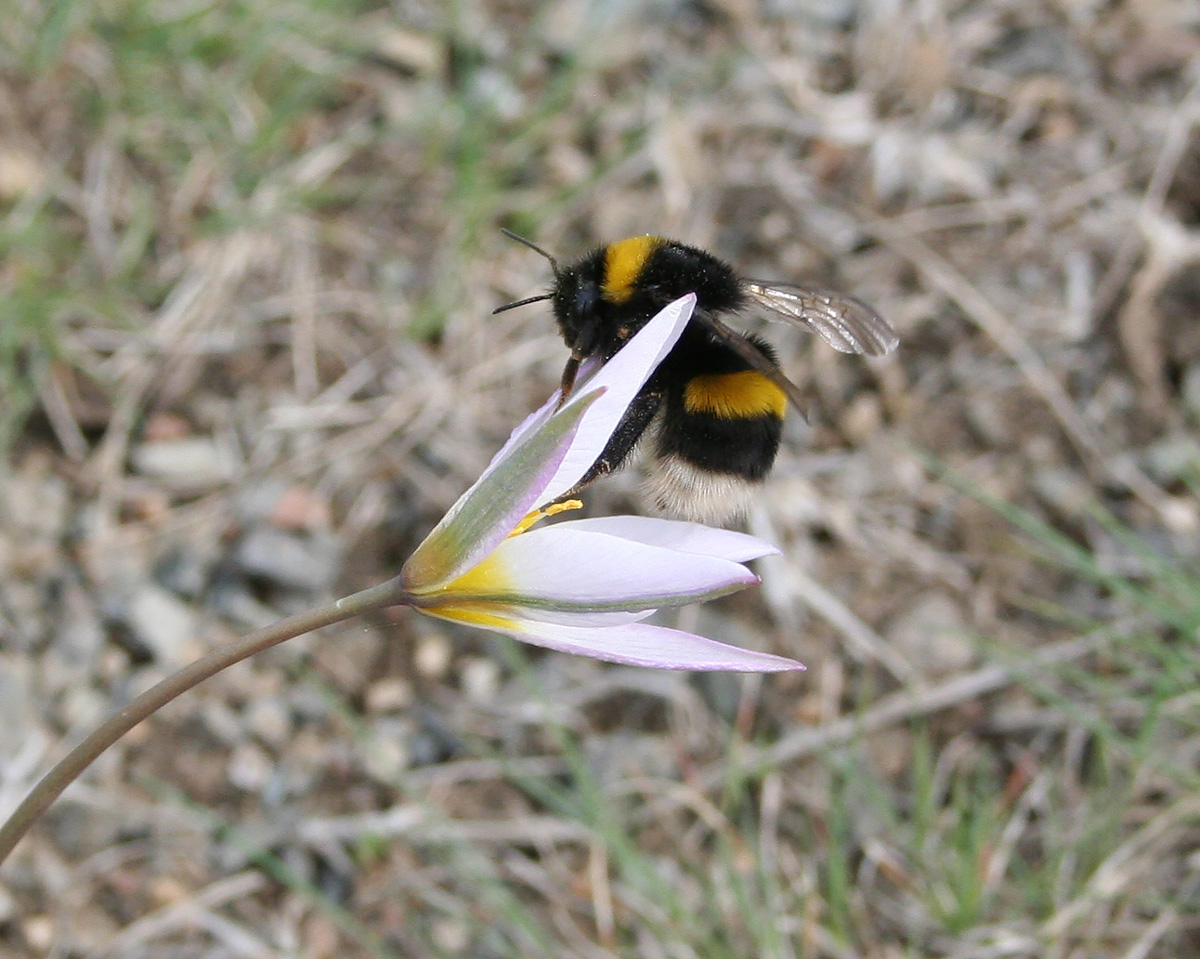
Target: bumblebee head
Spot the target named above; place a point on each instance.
(579, 308)
(603, 299)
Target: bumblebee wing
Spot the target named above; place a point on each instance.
(846, 324)
(745, 349)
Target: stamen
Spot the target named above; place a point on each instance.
(540, 514)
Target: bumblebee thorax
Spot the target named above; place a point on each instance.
(625, 265)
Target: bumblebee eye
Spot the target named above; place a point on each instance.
(586, 297)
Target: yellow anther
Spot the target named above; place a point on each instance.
(539, 514)
(564, 507)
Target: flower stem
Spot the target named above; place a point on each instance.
(51, 785)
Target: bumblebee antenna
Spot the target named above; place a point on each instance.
(537, 249)
(527, 300)
(533, 246)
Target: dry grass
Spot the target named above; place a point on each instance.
(249, 256)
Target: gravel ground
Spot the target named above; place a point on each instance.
(250, 257)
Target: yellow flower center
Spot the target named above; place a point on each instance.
(490, 577)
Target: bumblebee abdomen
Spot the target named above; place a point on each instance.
(741, 446)
(746, 394)
(718, 413)
(706, 466)
(716, 436)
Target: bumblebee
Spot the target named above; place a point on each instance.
(711, 415)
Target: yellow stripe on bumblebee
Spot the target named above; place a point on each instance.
(734, 396)
(623, 264)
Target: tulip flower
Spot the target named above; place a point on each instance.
(582, 586)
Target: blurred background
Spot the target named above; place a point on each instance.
(249, 256)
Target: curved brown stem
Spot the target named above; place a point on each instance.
(51, 785)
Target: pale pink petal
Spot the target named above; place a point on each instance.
(623, 378)
(678, 535)
(642, 644)
(560, 568)
(493, 506)
(564, 617)
(517, 436)
(535, 419)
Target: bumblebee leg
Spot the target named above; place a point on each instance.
(567, 383)
(624, 440)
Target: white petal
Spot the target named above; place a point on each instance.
(560, 568)
(673, 534)
(623, 377)
(641, 644)
(487, 512)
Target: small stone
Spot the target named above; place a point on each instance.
(17, 704)
(1191, 389)
(1156, 50)
(863, 418)
(20, 173)
(234, 602)
(308, 705)
(250, 768)
(627, 755)
(480, 679)
(164, 426)
(75, 643)
(388, 695)
(24, 606)
(150, 505)
(930, 635)
(36, 502)
(1063, 489)
(269, 720)
(185, 464)
(253, 502)
(387, 754)
(321, 938)
(300, 509)
(185, 572)
(163, 623)
(451, 935)
(8, 906)
(349, 658)
(419, 52)
(222, 722)
(1173, 458)
(988, 415)
(39, 932)
(433, 656)
(1181, 516)
(560, 25)
(293, 561)
(82, 706)
(167, 890)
